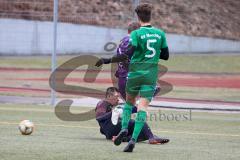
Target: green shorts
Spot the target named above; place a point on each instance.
(142, 83)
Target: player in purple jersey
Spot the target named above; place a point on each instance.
(122, 49)
(123, 56)
(104, 111)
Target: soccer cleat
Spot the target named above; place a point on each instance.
(125, 139)
(118, 139)
(157, 140)
(130, 146)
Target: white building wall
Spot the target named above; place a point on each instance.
(22, 37)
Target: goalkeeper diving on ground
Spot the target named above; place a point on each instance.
(108, 115)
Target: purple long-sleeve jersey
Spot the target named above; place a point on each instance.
(123, 47)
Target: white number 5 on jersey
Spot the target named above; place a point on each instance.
(151, 48)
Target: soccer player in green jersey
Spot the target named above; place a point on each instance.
(148, 44)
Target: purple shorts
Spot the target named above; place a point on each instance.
(121, 86)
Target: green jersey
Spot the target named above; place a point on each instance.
(143, 68)
(148, 42)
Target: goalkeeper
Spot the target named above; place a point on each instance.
(105, 115)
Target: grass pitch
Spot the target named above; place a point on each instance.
(202, 136)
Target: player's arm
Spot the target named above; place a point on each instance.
(104, 117)
(164, 48)
(101, 112)
(100, 109)
(164, 54)
(114, 59)
(124, 57)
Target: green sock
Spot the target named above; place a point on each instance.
(127, 111)
(139, 123)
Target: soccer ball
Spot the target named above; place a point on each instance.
(26, 127)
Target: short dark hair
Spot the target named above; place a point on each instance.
(144, 12)
(110, 91)
(133, 26)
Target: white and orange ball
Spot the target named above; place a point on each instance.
(26, 127)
